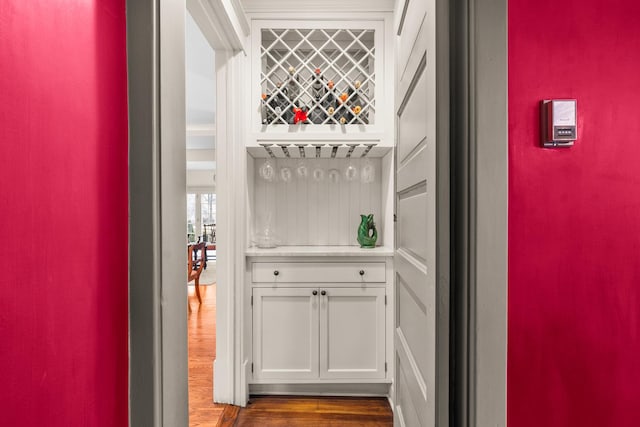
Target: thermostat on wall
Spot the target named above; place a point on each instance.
(558, 120)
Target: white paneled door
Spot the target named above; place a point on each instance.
(285, 325)
(415, 260)
(352, 339)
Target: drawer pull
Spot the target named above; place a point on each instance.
(276, 273)
(315, 292)
(323, 293)
(362, 272)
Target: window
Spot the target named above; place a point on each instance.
(191, 218)
(201, 217)
(208, 215)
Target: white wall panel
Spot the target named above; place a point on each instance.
(405, 411)
(412, 228)
(412, 123)
(308, 212)
(416, 35)
(410, 309)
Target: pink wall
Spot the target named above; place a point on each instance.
(574, 217)
(63, 213)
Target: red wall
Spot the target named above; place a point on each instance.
(574, 217)
(63, 213)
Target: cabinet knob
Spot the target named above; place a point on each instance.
(362, 272)
(276, 272)
(323, 293)
(315, 292)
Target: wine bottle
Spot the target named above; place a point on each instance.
(317, 115)
(329, 103)
(279, 104)
(265, 110)
(285, 106)
(293, 92)
(356, 103)
(317, 87)
(344, 115)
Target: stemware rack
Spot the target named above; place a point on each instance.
(318, 151)
(314, 201)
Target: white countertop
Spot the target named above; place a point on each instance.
(353, 251)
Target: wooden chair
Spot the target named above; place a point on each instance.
(196, 254)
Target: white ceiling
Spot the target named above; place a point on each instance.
(200, 105)
(200, 86)
(338, 6)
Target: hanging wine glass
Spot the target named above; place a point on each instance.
(368, 172)
(285, 174)
(334, 176)
(267, 171)
(350, 172)
(318, 174)
(302, 171)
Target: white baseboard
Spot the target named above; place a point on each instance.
(220, 381)
(345, 389)
(244, 382)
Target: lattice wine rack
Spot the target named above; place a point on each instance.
(317, 76)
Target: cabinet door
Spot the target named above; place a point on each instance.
(352, 333)
(285, 333)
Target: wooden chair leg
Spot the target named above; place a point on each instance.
(198, 290)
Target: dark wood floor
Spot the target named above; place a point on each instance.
(262, 411)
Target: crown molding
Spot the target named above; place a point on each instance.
(223, 22)
(201, 130)
(339, 6)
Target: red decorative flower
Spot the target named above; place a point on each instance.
(300, 115)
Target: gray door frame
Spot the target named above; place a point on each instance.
(479, 194)
(158, 392)
(158, 367)
(479, 163)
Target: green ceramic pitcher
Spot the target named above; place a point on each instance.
(367, 233)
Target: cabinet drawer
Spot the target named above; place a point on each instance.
(318, 272)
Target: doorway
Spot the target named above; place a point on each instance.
(158, 389)
(201, 224)
(158, 197)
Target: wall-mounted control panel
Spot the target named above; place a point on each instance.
(558, 120)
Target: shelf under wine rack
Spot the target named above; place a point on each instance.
(317, 76)
(320, 151)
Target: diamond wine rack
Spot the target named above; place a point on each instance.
(317, 76)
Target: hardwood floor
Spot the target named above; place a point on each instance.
(264, 410)
(202, 350)
(310, 412)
